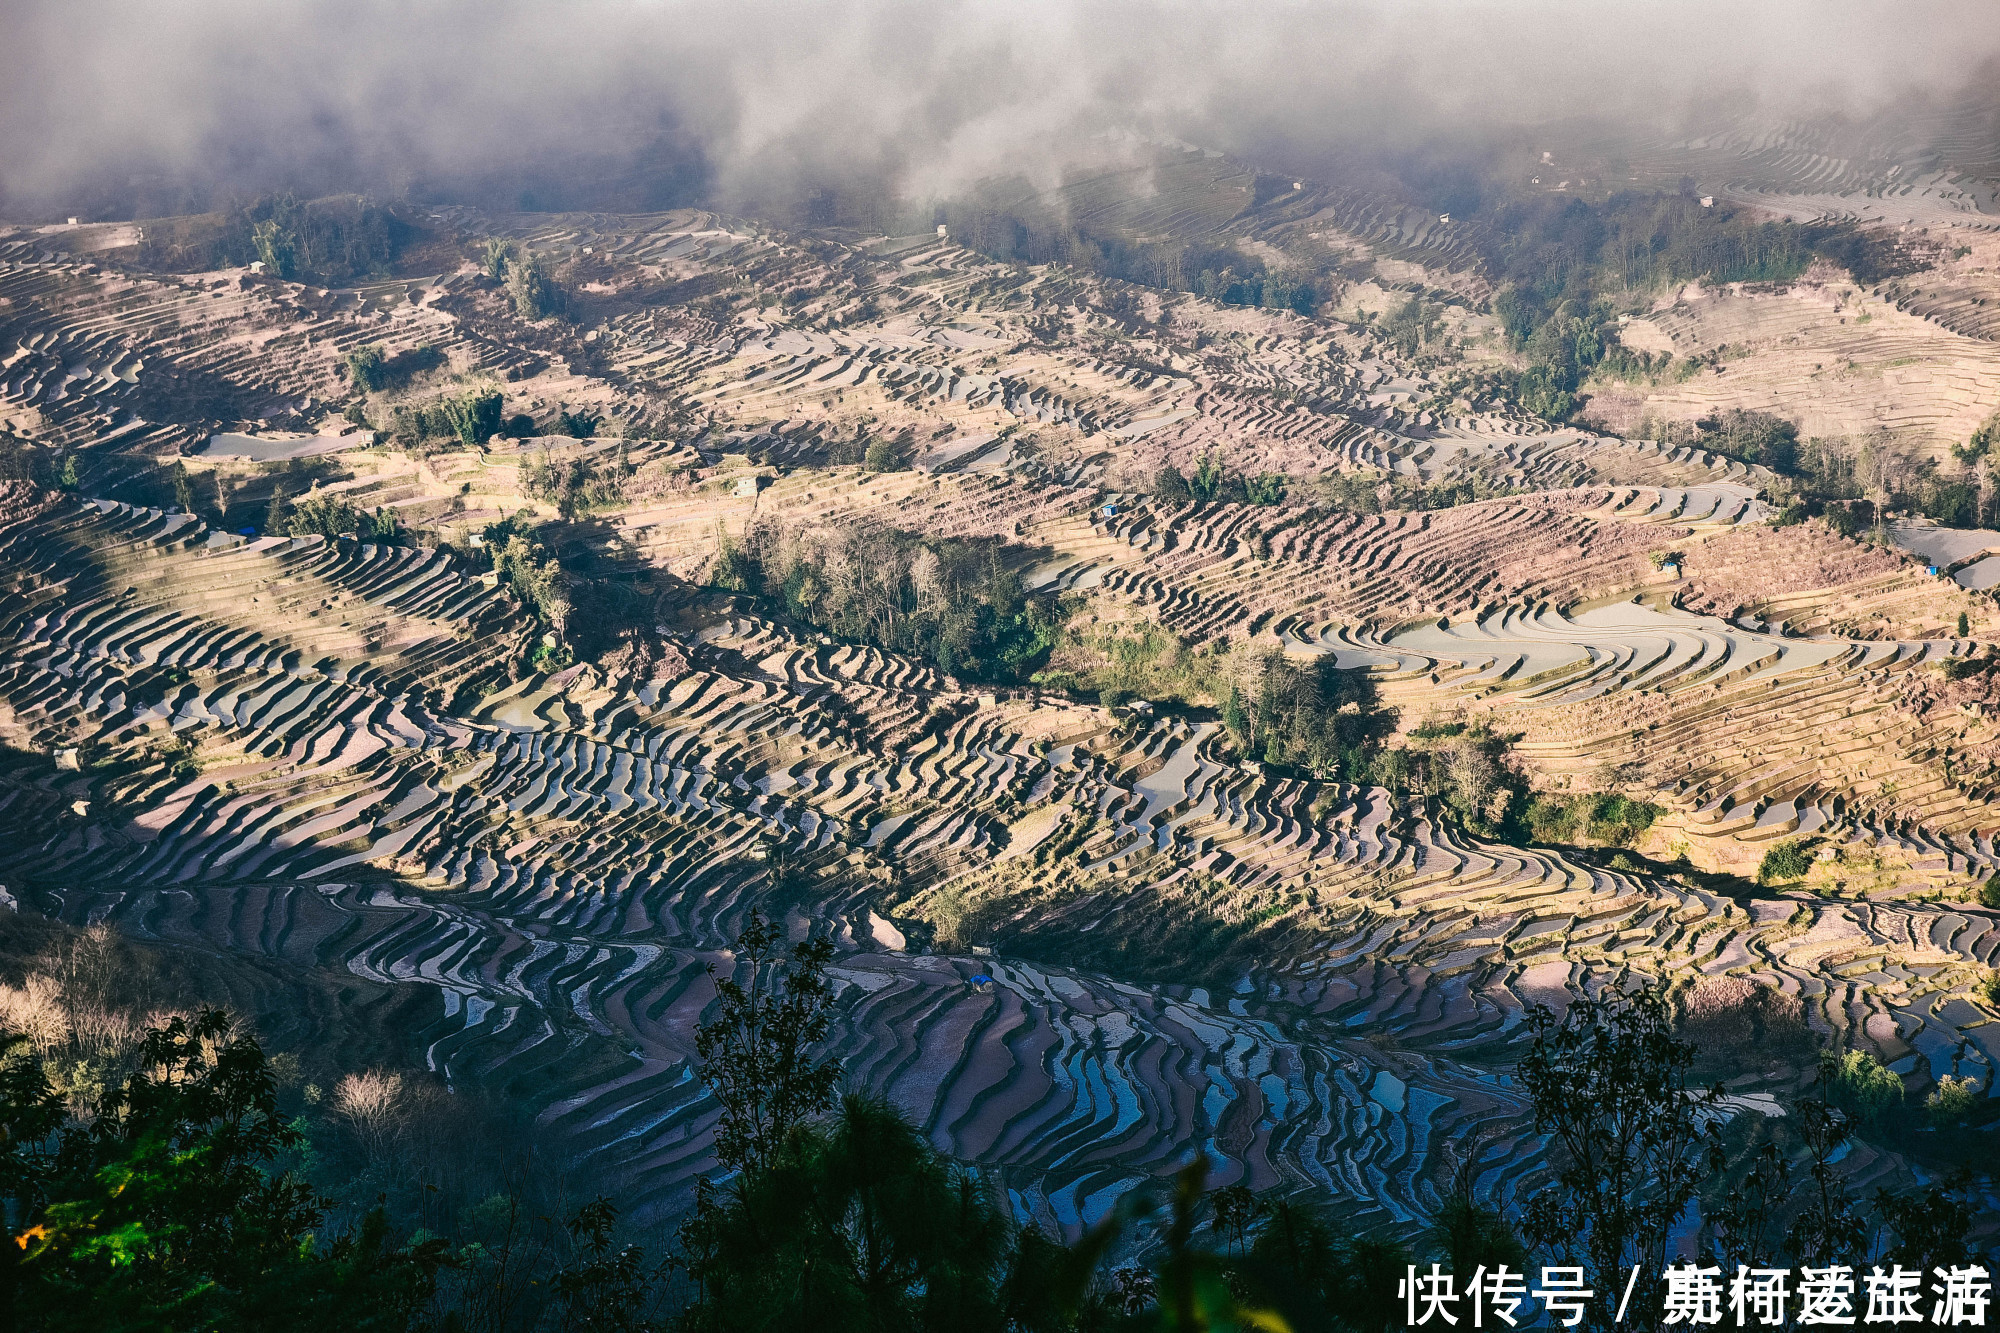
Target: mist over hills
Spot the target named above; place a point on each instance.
(121, 109)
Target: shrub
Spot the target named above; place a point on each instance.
(1603, 817)
(1951, 1101)
(318, 513)
(1785, 861)
(168, 1208)
(1857, 1083)
(1989, 988)
(1989, 893)
(366, 366)
(1266, 488)
(884, 456)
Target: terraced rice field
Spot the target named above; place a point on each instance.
(312, 750)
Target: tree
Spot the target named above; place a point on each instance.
(1857, 1083)
(1169, 486)
(276, 246)
(1472, 1234)
(1236, 719)
(183, 488)
(858, 1225)
(1608, 1082)
(613, 1289)
(535, 575)
(580, 425)
(1930, 1226)
(1301, 1271)
(532, 287)
(1786, 860)
(161, 1212)
(757, 1053)
(1826, 1229)
(1964, 625)
(498, 252)
(1207, 481)
(1266, 488)
(1192, 1288)
(474, 416)
(1952, 1100)
(367, 367)
(66, 478)
(322, 514)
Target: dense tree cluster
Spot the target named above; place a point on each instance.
(1211, 481)
(331, 515)
(1602, 817)
(1750, 437)
(956, 603)
(1311, 716)
(531, 286)
(1373, 491)
(527, 567)
(1411, 326)
(338, 240)
(469, 419)
(577, 483)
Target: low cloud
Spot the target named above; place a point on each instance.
(118, 104)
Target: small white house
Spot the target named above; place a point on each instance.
(746, 486)
(1708, 201)
(943, 231)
